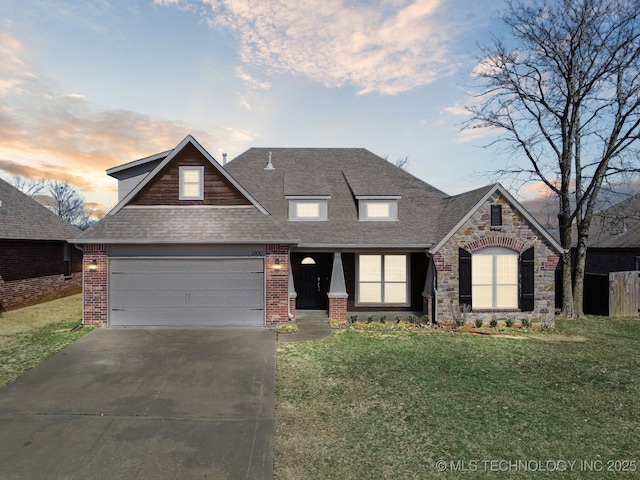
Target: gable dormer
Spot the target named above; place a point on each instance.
(187, 176)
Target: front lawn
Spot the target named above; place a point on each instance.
(30, 335)
(414, 405)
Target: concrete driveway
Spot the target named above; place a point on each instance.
(145, 403)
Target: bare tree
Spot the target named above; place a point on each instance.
(69, 204)
(29, 186)
(565, 95)
(402, 162)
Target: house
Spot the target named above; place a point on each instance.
(613, 246)
(36, 262)
(193, 242)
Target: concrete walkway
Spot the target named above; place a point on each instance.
(312, 325)
(145, 404)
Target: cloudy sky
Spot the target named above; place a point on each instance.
(88, 85)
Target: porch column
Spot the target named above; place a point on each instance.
(338, 291)
(429, 288)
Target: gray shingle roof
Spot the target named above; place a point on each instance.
(186, 225)
(457, 207)
(426, 215)
(22, 218)
(324, 171)
(617, 226)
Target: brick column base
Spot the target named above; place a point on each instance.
(338, 309)
(292, 309)
(427, 306)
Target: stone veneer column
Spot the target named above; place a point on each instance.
(276, 265)
(94, 285)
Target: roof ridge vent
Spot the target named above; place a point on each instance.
(269, 164)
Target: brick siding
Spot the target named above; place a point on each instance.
(95, 285)
(33, 272)
(338, 309)
(277, 285)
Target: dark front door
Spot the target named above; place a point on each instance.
(310, 276)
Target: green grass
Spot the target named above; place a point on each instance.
(30, 335)
(372, 405)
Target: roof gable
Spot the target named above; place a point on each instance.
(161, 185)
(22, 218)
(458, 209)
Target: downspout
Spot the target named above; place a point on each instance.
(83, 272)
(292, 290)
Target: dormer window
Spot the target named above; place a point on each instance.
(308, 209)
(191, 183)
(378, 209)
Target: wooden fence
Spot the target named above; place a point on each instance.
(624, 294)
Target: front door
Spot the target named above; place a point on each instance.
(311, 280)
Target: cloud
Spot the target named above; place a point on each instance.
(457, 110)
(385, 46)
(48, 134)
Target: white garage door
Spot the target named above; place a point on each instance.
(186, 292)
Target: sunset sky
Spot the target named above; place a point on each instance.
(88, 85)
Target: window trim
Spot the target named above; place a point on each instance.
(407, 281)
(322, 203)
(494, 253)
(365, 200)
(185, 169)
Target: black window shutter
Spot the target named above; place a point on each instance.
(496, 215)
(464, 273)
(526, 280)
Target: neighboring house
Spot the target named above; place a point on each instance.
(613, 246)
(192, 242)
(36, 262)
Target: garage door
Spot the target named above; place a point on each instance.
(186, 292)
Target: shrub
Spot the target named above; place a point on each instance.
(354, 318)
(412, 319)
(383, 319)
(478, 322)
(526, 323)
(369, 318)
(493, 322)
(509, 322)
(397, 318)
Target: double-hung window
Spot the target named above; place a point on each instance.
(382, 280)
(191, 183)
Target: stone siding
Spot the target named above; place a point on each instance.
(516, 234)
